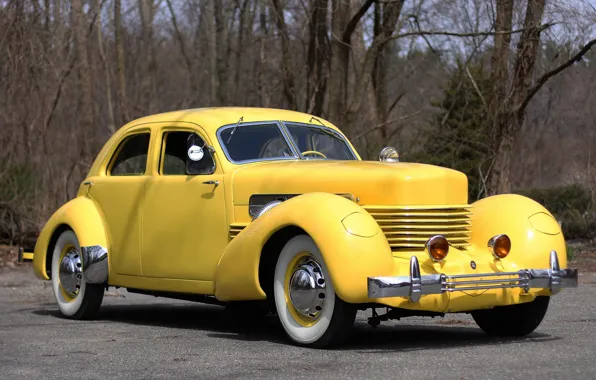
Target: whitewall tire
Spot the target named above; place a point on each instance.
(75, 298)
(308, 308)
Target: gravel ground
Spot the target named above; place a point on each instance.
(142, 337)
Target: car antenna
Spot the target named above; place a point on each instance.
(234, 130)
(314, 118)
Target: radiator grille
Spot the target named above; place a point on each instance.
(235, 229)
(407, 228)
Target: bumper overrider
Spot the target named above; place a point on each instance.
(415, 286)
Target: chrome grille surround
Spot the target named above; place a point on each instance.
(408, 228)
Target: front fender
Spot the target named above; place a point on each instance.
(352, 253)
(83, 217)
(533, 231)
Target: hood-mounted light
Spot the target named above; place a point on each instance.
(389, 154)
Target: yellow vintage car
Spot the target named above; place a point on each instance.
(227, 205)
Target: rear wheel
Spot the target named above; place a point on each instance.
(76, 299)
(308, 308)
(514, 320)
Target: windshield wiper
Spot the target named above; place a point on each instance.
(326, 131)
(234, 130)
(314, 118)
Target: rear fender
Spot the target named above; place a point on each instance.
(83, 217)
(352, 252)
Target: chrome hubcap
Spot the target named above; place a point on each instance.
(71, 272)
(307, 288)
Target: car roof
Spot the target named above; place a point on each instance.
(212, 118)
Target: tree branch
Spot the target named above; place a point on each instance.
(544, 78)
(347, 35)
(463, 35)
(393, 121)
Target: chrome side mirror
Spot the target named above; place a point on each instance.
(199, 158)
(389, 154)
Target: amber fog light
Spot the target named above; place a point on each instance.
(437, 248)
(500, 246)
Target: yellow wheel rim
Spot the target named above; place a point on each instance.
(301, 319)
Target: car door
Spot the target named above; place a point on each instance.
(184, 227)
(118, 192)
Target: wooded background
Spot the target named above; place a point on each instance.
(502, 90)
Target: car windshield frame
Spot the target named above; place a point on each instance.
(292, 145)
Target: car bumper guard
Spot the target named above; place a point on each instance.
(415, 286)
(25, 254)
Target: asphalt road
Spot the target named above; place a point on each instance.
(142, 337)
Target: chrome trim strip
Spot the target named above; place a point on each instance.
(414, 285)
(289, 138)
(95, 264)
(248, 124)
(266, 208)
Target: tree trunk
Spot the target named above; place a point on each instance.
(318, 58)
(379, 73)
(84, 75)
(286, 56)
(261, 66)
(106, 68)
(220, 49)
(209, 22)
(340, 60)
(242, 30)
(187, 60)
(499, 77)
(391, 12)
(148, 64)
(510, 117)
(120, 64)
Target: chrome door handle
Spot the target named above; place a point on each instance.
(216, 183)
(89, 183)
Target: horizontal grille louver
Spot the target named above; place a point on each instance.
(409, 228)
(235, 229)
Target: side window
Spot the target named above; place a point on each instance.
(131, 156)
(174, 155)
(186, 153)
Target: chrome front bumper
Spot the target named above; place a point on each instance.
(415, 286)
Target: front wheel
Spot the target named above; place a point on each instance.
(76, 298)
(308, 308)
(513, 320)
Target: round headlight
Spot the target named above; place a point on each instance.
(500, 246)
(437, 248)
(389, 154)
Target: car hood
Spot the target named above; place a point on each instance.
(372, 182)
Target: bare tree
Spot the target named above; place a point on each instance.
(85, 101)
(319, 52)
(509, 104)
(120, 64)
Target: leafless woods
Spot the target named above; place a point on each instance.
(73, 71)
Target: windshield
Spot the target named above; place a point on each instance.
(255, 142)
(269, 141)
(315, 142)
